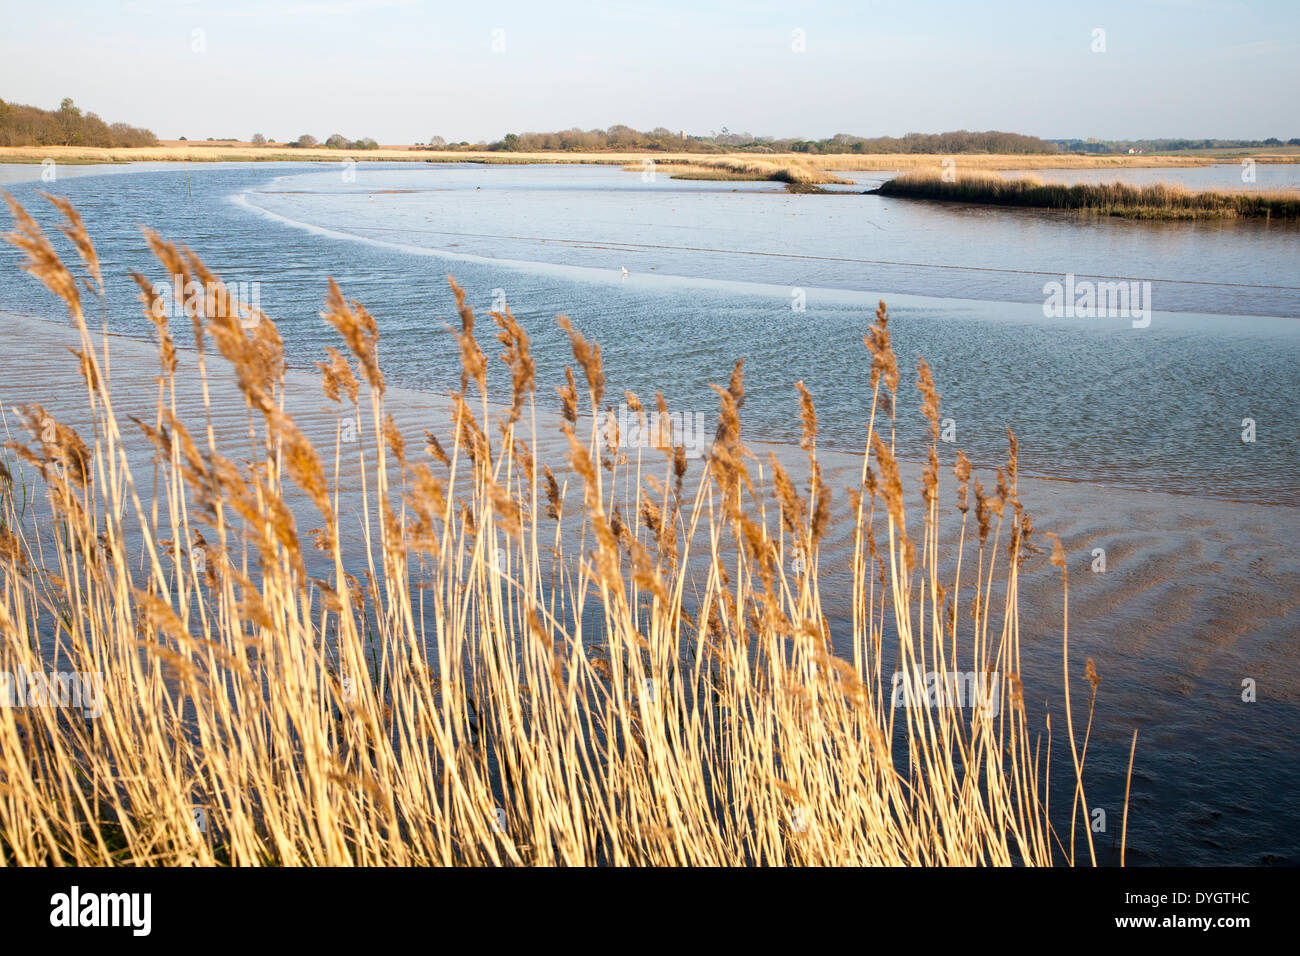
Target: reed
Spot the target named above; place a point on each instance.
(755, 170)
(1155, 201)
(826, 162)
(458, 655)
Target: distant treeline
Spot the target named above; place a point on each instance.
(1165, 145)
(67, 126)
(336, 141)
(660, 138)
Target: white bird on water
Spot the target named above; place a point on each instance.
(625, 272)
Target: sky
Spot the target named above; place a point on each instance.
(403, 71)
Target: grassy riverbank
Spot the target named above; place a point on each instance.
(244, 153)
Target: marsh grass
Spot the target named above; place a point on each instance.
(1155, 201)
(739, 169)
(824, 162)
(617, 664)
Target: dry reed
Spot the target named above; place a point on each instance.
(1154, 201)
(606, 666)
(826, 162)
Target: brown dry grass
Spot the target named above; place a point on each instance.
(217, 152)
(614, 665)
(1153, 201)
(739, 169)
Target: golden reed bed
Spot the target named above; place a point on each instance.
(829, 163)
(1151, 201)
(605, 666)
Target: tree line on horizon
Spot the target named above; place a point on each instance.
(1166, 145)
(22, 125)
(334, 141)
(660, 138)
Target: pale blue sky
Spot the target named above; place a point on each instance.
(405, 70)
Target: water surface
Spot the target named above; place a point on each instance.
(719, 271)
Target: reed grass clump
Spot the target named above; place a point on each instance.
(736, 169)
(1155, 201)
(466, 655)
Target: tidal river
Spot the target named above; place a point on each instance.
(721, 271)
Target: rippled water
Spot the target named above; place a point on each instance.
(716, 271)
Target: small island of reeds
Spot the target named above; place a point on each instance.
(1155, 201)
(733, 169)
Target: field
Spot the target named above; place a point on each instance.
(1284, 153)
(360, 646)
(239, 152)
